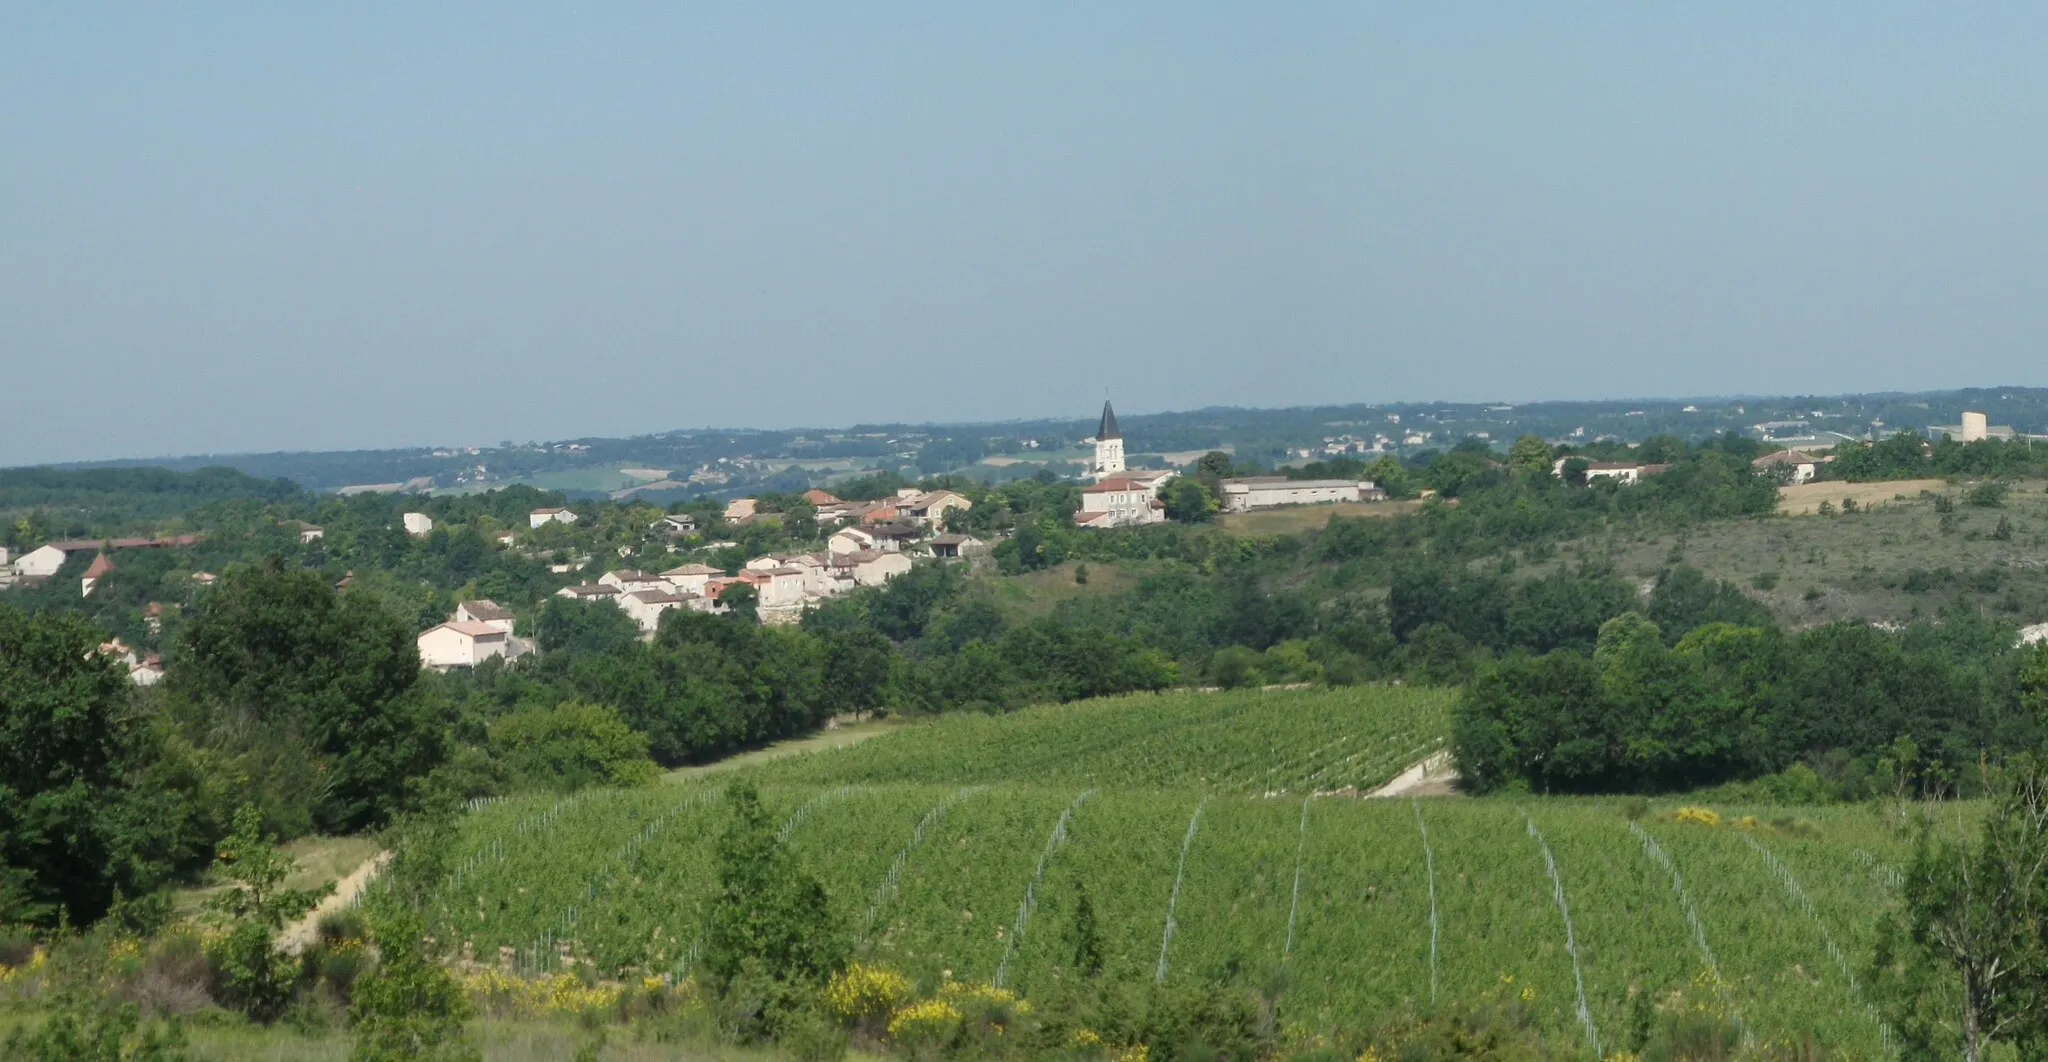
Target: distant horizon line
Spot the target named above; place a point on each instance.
(802, 429)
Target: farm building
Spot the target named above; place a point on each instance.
(1270, 492)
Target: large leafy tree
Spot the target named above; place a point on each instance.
(77, 825)
(314, 690)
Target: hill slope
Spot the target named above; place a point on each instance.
(931, 839)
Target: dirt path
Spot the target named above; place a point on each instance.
(1434, 776)
(296, 936)
(837, 737)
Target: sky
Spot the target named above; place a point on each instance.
(240, 227)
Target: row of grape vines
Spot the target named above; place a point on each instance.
(1244, 741)
(1369, 906)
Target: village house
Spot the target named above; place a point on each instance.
(308, 533)
(540, 518)
(870, 513)
(777, 588)
(956, 547)
(646, 606)
(486, 612)
(1124, 501)
(1794, 466)
(818, 499)
(849, 540)
(675, 526)
(590, 592)
(461, 644)
(690, 578)
(630, 581)
(870, 568)
(204, 579)
(147, 673)
(740, 509)
(1268, 492)
(101, 566)
(1626, 473)
(893, 538)
(43, 561)
(929, 510)
(117, 650)
(418, 523)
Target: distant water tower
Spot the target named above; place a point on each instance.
(1976, 426)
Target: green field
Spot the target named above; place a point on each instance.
(1189, 821)
(1246, 741)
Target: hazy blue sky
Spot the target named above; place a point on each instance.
(294, 226)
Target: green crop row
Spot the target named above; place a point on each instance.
(1245, 741)
(1773, 922)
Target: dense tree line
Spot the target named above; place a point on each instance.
(1727, 703)
(1910, 455)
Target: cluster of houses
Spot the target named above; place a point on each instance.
(1121, 497)
(39, 564)
(142, 671)
(784, 584)
(1627, 473)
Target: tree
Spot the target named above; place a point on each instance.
(1530, 457)
(80, 820)
(408, 1009)
(741, 601)
(320, 684)
(1188, 502)
(1965, 963)
(1215, 464)
(583, 626)
(255, 974)
(571, 746)
(769, 911)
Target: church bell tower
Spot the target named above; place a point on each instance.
(1109, 446)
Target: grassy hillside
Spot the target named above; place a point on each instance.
(1897, 558)
(930, 839)
(1298, 518)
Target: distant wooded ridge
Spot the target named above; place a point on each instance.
(749, 460)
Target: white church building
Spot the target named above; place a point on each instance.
(1120, 497)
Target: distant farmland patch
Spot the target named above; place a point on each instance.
(1298, 518)
(1805, 499)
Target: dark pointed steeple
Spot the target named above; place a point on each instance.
(1108, 428)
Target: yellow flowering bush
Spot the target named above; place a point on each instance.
(36, 961)
(982, 994)
(862, 993)
(929, 1021)
(1698, 816)
(1140, 1053)
(562, 994)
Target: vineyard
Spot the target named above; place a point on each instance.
(1202, 870)
(1249, 741)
